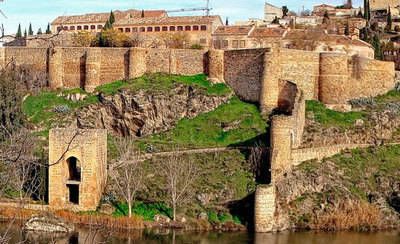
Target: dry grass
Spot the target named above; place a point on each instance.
(115, 223)
(349, 215)
(104, 221)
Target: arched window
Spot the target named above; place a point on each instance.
(74, 169)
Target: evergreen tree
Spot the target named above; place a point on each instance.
(19, 32)
(325, 20)
(275, 21)
(25, 33)
(360, 14)
(376, 43)
(227, 21)
(112, 18)
(367, 12)
(30, 31)
(285, 11)
(39, 32)
(389, 21)
(48, 31)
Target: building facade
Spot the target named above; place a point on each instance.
(150, 26)
(271, 12)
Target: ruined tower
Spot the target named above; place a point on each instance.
(77, 168)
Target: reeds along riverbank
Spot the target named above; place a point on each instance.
(95, 220)
(356, 216)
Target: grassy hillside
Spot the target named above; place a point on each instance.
(233, 123)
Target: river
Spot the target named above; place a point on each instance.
(89, 236)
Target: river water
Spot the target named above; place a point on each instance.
(89, 236)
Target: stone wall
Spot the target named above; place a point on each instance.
(264, 209)
(89, 148)
(69, 67)
(243, 71)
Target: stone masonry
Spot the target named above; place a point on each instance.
(77, 168)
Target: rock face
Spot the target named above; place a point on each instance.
(47, 224)
(142, 113)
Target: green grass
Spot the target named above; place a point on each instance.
(39, 109)
(391, 96)
(329, 117)
(233, 123)
(164, 83)
(145, 210)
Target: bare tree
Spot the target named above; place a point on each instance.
(179, 175)
(127, 172)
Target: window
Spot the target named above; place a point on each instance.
(225, 43)
(235, 44)
(93, 27)
(79, 27)
(134, 29)
(242, 44)
(216, 44)
(188, 28)
(165, 28)
(74, 169)
(127, 29)
(73, 194)
(99, 27)
(65, 28)
(157, 29)
(149, 29)
(180, 28)
(203, 28)
(196, 28)
(121, 30)
(142, 29)
(203, 41)
(72, 28)
(172, 28)
(86, 27)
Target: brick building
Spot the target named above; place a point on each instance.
(149, 25)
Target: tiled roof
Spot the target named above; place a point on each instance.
(233, 30)
(103, 17)
(321, 36)
(166, 20)
(267, 32)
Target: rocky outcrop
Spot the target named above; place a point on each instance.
(379, 127)
(47, 224)
(142, 113)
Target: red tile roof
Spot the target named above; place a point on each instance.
(233, 30)
(267, 32)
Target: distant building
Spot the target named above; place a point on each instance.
(322, 9)
(385, 4)
(308, 20)
(242, 37)
(271, 12)
(150, 26)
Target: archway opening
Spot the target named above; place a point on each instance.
(74, 169)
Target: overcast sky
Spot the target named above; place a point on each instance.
(40, 12)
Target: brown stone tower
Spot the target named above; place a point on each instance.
(77, 168)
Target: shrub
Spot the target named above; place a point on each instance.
(213, 217)
(84, 39)
(145, 210)
(196, 46)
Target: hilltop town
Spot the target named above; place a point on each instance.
(137, 119)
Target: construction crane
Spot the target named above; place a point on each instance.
(1, 11)
(206, 9)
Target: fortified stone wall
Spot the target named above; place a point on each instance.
(77, 168)
(91, 67)
(243, 71)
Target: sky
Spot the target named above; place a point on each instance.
(41, 12)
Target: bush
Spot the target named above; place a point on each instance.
(196, 46)
(113, 38)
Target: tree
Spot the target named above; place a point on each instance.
(389, 21)
(30, 30)
(39, 32)
(127, 172)
(177, 40)
(112, 18)
(48, 31)
(376, 43)
(285, 11)
(25, 34)
(325, 20)
(275, 21)
(84, 39)
(113, 38)
(360, 14)
(19, 32)
(179, 175)
(367, 12)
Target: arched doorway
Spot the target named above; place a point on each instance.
(74, 169)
